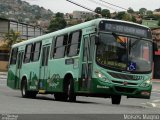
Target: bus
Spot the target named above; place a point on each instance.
(99, 58)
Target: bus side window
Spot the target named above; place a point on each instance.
(60, 46)
(36, 51)
(74, 44)
(27, 56)
(13, 56)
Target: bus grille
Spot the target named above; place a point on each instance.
(122, 76)
(122, 82)
(125, 90)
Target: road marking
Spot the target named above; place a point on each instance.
(149, 104)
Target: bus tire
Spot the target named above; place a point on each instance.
(116, 99)
(69, 91)
(58, 96)
(25, 93)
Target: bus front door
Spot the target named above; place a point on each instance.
(86, 71)
(44, 67)
(18, 69)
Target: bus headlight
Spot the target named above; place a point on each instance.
(100, 75)
(146, 83)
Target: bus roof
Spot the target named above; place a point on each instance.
(94, 22)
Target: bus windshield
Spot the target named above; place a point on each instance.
(124, 53)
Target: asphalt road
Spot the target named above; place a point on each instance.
(11, 102)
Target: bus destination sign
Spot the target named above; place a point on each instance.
(125, 28)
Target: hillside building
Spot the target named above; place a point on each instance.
(26, 32)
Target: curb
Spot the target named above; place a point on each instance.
(3, 73)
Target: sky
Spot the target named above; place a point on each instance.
(67, 7)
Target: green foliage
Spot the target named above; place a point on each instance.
(57, 23)
(11, 38)
(120, 15)
(98, 10)
(106, 13)
(61, 15)
(102, 13)
(149, 12)
(125, 16)
(133, 19)
(130, 10)
(142, 11)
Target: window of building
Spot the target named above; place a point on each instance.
(27, 56)
(60, 46)
(36, 51)
(14, 56)
(74, 43)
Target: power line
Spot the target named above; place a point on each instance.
(103, 5)
(113, 5)
(81, 6)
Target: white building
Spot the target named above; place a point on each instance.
(82, 14)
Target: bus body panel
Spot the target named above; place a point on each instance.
(86, 73)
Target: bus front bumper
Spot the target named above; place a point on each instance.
(125, 90)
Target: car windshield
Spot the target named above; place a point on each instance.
(124, 53)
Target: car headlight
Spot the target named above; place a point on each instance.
(100, 75)
(146, 83)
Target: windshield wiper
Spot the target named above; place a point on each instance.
(133, 44)
(117, 37)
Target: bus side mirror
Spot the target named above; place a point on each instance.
(97, 40)
(155, 47)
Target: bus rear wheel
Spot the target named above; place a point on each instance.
(69, 91)
(25, 93)
(59, 97)
(116, 99)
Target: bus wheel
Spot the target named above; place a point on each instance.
(59, 96)
(116, 99)
(69, 90)
(25, 93)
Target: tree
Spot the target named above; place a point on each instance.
(56, 24)
(124, 16)
(98, 10)
(142, 11)
(130, 10)
(133, 19)
(149, 12)
(120, 15)
(106, 13)
(58, 14)
(11, 38)
(127, 17)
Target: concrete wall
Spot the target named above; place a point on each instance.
(3, 66)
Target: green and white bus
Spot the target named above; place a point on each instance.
(99, 58)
